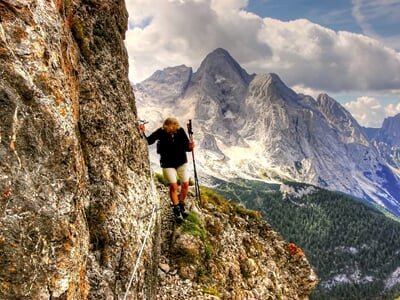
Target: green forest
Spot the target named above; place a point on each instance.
(352, 247)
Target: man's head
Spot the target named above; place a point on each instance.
(171, 125)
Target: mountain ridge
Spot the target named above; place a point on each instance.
(387, 140)
(265, 130)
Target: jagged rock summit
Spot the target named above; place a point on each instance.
(390, 131)
(169, 83)
(387, 141)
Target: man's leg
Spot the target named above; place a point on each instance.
(184, 191)
(184, 178)
(173, 193)
(170, 176)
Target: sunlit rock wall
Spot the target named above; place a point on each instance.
(74, 178)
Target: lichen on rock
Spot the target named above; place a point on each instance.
(74, 170)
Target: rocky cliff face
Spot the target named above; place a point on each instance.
(224, 251)
(73, 168)
(387, 141)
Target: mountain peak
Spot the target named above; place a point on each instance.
(169, 83)
(390, 131)
(331, 108)
(266, 85)
(340, 119)
(220, 62)
(220, 51)
(170, 73)
(275, 80)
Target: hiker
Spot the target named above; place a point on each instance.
(172, 145)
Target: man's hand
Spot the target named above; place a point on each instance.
(191, 145)
(142, 127)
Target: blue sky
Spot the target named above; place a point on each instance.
(332, 14)
(347, 49)
(378, 17)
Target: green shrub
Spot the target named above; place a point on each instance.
(192, 226)
(161, 179)
(211, 291)
(222, 205)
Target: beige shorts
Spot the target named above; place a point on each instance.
(171, 174)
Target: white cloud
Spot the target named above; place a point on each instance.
(165, 33)
(301, 89)
(392, 41)
(184, 32)
(367, 11)
(301, 52)
(369, 111)
(360, 17)
(372, 14)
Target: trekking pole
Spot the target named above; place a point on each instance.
(196, 180)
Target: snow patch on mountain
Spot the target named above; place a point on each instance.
(289, 192)
(393, 280)
(350, 279)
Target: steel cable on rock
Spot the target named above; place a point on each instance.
(153, 214)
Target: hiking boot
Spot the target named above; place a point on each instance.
(182, 209)
(177, 213)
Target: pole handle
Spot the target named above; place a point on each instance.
(189, 128)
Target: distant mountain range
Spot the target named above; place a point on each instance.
(255, 127)
(387, 140)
